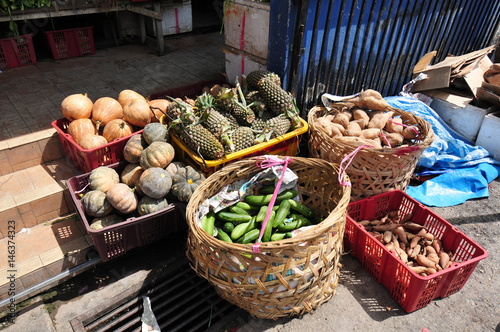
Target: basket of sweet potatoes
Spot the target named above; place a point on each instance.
(377, 145)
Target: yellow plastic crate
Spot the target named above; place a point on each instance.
(286, 145)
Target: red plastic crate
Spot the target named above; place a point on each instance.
(135, 231)
(410, 290)
(16, 52)
(70, 43)
(88, 159)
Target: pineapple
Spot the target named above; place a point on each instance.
(200, 139)
(255, 76)
(233, 101)
(255, 102)
(243, 137)
(277, 99)
(214, 121)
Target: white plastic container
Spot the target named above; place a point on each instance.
(487, 135)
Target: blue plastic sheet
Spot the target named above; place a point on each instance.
(463, 170)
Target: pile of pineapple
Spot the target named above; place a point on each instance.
(224, 119)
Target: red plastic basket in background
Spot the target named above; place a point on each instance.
(410, 290)
(16, 52)
(88, 159)
(134, 231)
(70, 43)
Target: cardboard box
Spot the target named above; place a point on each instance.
(456, 79)
(239, 63)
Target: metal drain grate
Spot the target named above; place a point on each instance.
(181, 301)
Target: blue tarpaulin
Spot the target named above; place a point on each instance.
(462, 171)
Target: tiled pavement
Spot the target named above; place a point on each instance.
(30, 96)
(30, 100)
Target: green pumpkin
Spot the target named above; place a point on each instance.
(100, 223)
(133, 148)
(157, 154)
(155, 182)
(95, 204)
(155, 132)
(149, 205)
(185, 182)
(102, 178)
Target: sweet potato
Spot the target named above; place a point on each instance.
(370, 100)
(414, 241)
(356, 141)
(400, 232)
(387, 236)
(415, 251)
(392, 139)
(402, 254)
(418, 269)
(424, 261)
(379, 119)
(353, 129)
(393, 125)
(444, 259)
(437, 244)
(327, 127)
(342, 119)
(369, 133)
(361, 116)
(410, 133)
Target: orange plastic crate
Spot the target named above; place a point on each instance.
(410, 290)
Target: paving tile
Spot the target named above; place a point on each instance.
(29, 244)
(6, 216)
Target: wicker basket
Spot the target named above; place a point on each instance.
(372, 171)
(288, 277)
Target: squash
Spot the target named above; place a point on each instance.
(102, 178)
(137, 112)
(122, 198)
(79, 128)
(95, 204)
(185, 182)
(158, 108)
(133, 148)
(101, 222)
(116, 129)
(127, 95)
(155, 132)
(130, 174)
(149, 205)
(174, 166)
(76, 106)
(106, 109)
(157, 154)
(155, 182)
(91, 141)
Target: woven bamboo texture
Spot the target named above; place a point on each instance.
(372, 171)
(286, 278)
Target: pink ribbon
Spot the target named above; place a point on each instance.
(349, 158)
(266, 162)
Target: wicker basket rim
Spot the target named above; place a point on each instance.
(338, 213)
(429, 137)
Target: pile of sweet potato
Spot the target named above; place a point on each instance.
(411, 242)
(369, 120)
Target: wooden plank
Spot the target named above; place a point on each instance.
(144, 11)
(61, 13)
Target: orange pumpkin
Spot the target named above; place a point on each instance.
(106, 109)
(76, 106)
(117, 128)
(126, 96)
(158, 108)
(92, 141)
(137, 112)
(81, 127)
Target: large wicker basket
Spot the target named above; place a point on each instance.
(286, 278)
(372, 171)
